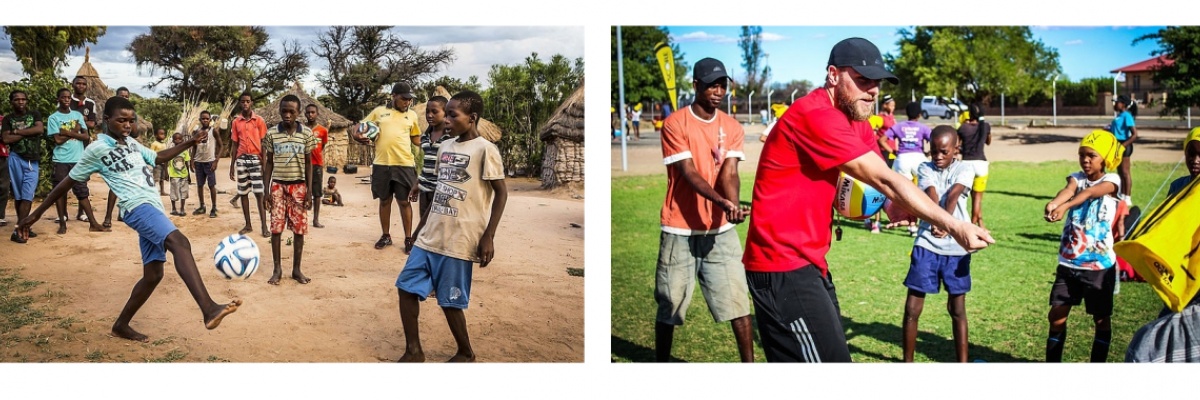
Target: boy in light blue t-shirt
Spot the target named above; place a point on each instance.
(68, 129)
(125, 166)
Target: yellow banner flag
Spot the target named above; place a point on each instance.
(1162, 247)
(666, 62)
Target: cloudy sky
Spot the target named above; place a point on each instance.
(801, 52)
(476, 49)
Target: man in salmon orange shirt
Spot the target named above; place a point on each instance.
(821, 135)
(701, 148)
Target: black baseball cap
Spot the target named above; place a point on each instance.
(1123, 99)
(886, 98)
(403, 89)
(863, 56)
(708, 70)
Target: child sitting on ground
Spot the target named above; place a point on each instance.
(936, 257)
(332, 197)
(1085, 272)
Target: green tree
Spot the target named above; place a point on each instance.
(215, 62)
(1182, 45)
(161, 112)
(44, 49)
(643, 79)
(425, 90)
(750, 41)
(783, 91)
(521, 98)
(940, 60)
(364, 60)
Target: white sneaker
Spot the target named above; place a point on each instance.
(912, 230)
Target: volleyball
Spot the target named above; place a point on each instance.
(855, 200)
(368, 129)
(236, 256)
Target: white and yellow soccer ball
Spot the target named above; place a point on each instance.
(855, 199)
(236, 256)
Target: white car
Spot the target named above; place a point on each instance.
(941, 106)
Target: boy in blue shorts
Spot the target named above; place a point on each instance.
(1089, 206)
(936, 257)
(125, 166)
(459, 231)
(23, 132)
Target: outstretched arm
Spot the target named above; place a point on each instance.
(168, 154)
(870, 169)
(1094, 192)
(486, 246)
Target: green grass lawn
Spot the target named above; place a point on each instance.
(1006, 308)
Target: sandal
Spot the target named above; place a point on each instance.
(200, 211)
(384, 241)
(83, 218)
(408, 244)
(3, 222)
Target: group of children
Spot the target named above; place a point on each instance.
(1089, 204)
(461, 201)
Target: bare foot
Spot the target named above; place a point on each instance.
(315, 224)
(62, 229)
(213, 321)
(275, 277)
(418, 357)
(246, 229)
(299, 277)
(462, 358)
(99, 228)
(266, 233)
(125, 332)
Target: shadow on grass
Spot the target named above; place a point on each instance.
(1045, 236)
(935, 347)
(1019, 194)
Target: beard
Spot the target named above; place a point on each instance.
(850, 106)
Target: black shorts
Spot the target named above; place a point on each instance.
(426, 200)
(206, 173)
(318, 187)
(1073, 286)
(1128, 151)
(392, 181)
(799, 319)
(62, 171)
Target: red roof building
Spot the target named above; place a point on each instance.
(1139, 78)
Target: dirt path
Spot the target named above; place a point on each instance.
(525, 307)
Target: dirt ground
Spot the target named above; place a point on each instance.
(1031, 144)
(525, 307)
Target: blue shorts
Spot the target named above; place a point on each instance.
(152, 227)
(205, 174)
(24, 176)
(426, 271)
(929, 268)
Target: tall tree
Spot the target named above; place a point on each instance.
(750, 41)
(364, 60)
(643, 79)
(216, 62)
(44, 49)
(425, 90)
(938, 61)
(1181, 44)
(521, 98)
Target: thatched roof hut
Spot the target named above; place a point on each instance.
(487, 129)
(562, 162)
(100, 93)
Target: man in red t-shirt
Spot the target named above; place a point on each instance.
(820, 135)
(701, 148)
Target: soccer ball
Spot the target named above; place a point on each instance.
(368, 129)
(856, 200)
(236, 256)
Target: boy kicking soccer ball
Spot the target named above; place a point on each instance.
(125, 166)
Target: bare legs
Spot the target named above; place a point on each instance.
(743, 334)
(955, 305)
(410, 309)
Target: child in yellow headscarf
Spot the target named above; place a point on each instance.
(1191, 156)
(1089, 205)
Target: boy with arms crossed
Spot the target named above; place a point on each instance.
(69, 131)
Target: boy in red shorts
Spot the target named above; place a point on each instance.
(287, 165)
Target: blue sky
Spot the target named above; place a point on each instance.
(476, 49)
(801, 52)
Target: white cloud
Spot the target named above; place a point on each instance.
(701, 36)
(1073, 42)
(772, 37)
